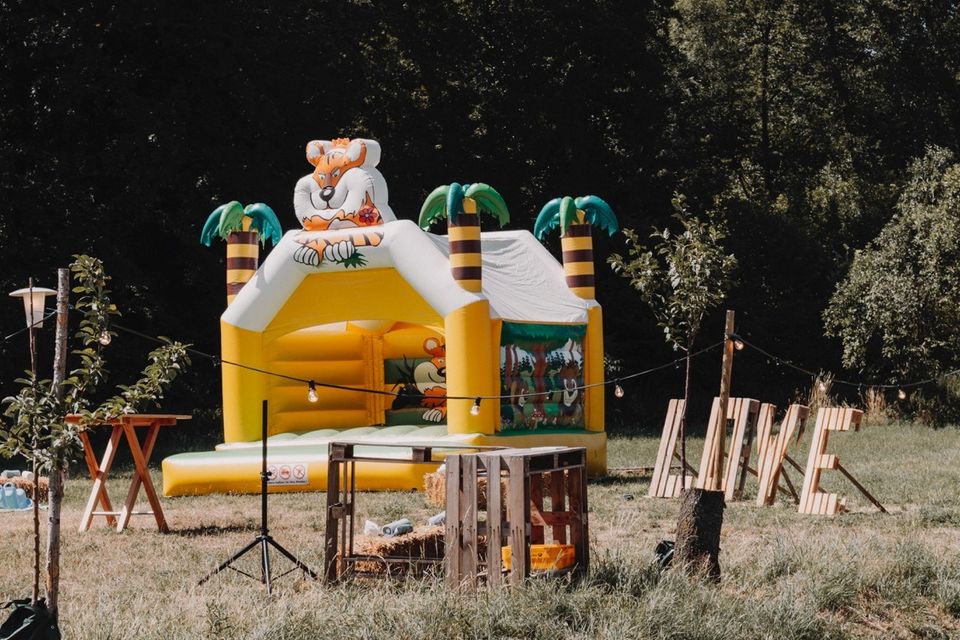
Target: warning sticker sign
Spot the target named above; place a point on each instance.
(288, 473)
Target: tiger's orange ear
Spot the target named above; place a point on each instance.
(434, 347)
(316, 149)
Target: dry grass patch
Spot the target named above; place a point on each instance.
(861, 574)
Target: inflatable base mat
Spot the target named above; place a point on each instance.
(299, 460)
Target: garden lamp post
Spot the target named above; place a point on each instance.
(33, 309)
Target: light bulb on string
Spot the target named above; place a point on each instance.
(312, 394)
(901, 394)
(475, 409)
(823, 387)
(738, 344)
(105, 338)
(618, 390)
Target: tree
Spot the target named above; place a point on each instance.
(462, 205)
(681, 277)
(896, 310)
(575, 217)
(239, 226)
(36, 428)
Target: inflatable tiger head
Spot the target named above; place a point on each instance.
(345, 189)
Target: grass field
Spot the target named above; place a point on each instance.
(861, 574)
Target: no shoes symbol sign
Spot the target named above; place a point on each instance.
(288, 473)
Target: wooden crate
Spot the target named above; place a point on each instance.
(342, 555)
(534, 479)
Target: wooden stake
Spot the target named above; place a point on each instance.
(726, 374)
(55, 494)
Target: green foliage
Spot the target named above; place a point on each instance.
(35, 426)
(682, 276)
(896, 311)
(228, 218)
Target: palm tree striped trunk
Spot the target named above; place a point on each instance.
(465, 257)
(243, 254)
(577, 245)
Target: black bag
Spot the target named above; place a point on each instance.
(663, 553)
(29, 622)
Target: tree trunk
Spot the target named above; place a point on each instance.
(55, 489)
(465, 256)
(698, 532)
(577, 246)
(243, 255)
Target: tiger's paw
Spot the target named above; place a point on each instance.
(307, 255)
(339, 251)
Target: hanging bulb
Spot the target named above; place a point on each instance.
(475, 409)
(901, 394)
(105, 338)
(312, 394)
(738, 344)
(823, 387)
(618, 390)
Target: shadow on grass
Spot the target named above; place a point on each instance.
(212, 530)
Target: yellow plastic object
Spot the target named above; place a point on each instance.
(544, 557)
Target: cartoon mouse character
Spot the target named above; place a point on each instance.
(431, 379)
(345, 191)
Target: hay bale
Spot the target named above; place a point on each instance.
(435, 490)
(27, 486)
(424, 542)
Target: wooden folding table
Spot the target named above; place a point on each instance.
(124, 426)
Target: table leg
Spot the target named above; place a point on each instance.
(143, 472)
(131, 501)
(99, 474)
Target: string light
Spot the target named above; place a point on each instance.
(105, 338)
(312, 394)
(618, 391)
(475, 409)
(823, 387)
(738, 344)
(901, 394)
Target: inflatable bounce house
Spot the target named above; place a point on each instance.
(473, 338)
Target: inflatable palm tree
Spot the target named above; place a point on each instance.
(240, 227)
(462, 205)
(575, 217)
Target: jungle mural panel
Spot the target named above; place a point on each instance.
(420, 381)
(541, 368)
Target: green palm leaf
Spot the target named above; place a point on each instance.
(210, 227)
(568, 213)
(488, 201)
(434, 207)
(264, 220)
(231, 219)
(547, 219)
(598, 213)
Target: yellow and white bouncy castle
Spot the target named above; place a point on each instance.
(362, 300)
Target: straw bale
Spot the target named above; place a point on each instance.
(27, 486)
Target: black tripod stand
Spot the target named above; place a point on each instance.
(264, 540)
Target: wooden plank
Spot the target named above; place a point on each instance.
(812, 499)
(536, 508)
(140, 464)
(518, 512)
(743, 411)
(494, 522)
(93, 468)
(705, 478)
(100, 479)
(333, 519)
(130, 502)
(664, 484)
(468, 520)
(558, 505)
(579, 535)
(452, 522)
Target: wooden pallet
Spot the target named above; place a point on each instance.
(743, 412)
(517, 519)
(772, 449)
(812, 499)
(665, 484)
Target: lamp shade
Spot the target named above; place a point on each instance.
(33, 303)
